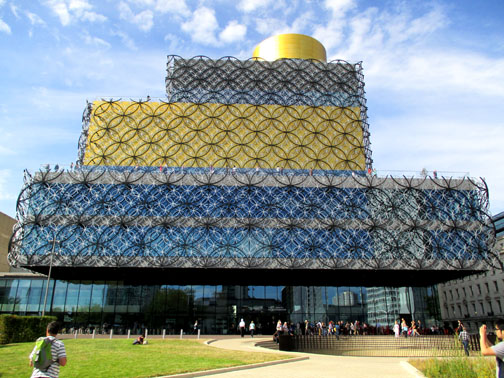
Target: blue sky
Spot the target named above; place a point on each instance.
(434, 71)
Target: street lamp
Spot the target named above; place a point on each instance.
(54, 241)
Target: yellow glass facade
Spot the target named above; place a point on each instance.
(128, 133)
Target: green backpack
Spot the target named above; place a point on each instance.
(42, 356)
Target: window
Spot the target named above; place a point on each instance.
(482, 308)
(474, 308)
(496, 286)
(458, 294)
(487, 287)
(500, 306)
(472, 291)
(451, 294)
(479, 289)
(465, 293)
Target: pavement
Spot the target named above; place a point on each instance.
(309, 365)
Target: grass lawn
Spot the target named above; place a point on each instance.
(463, 367)
(119, 358)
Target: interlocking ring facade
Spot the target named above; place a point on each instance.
(251, 219)
(289, 114)
(246, 164)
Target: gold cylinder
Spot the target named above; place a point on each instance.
(290, 46)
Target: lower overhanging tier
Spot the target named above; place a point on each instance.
(279, 223)
(285, 277)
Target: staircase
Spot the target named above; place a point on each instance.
(420, 346)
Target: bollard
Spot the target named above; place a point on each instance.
(164, 333)
(94, 333)
(129, 333)
(181, 332)
(199, 331)
(111, 333)
(75, 335)
(146, 332)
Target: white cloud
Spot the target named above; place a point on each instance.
(251, 5)
(14, 11)
(270, 26)
(339, 7)
(4, 27)
(70, 10)
(273, 26)
(126, 40)
(332, 33)
(399, 55)
(172, 6)
(95, 41)
(61, 10)
(35, 19)
(233, 32)
(144, 19)
(93, 17)
(202, 26)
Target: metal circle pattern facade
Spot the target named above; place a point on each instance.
(251, 219)
(246, 164)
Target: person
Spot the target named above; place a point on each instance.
(404, 328)
(242, 327)
(285, 329)
(252, 328)
(414, 330)
(58, 354)
(279, 328)
(495, 350)
(464, 338)
(195, 328)
(459, 327)
(396, 329)
(139, 340)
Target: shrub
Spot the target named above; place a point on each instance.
(18, 329)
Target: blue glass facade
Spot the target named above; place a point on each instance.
(88, 305)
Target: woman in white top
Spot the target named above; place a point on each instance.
(397, 329)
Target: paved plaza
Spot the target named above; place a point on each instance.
(315, 366)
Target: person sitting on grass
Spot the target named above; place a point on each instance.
(139, 340)
(494, 350)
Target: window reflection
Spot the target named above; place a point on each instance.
(86, 288)
(35, 296)
(218, 308)
(21, 300)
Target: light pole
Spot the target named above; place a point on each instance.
(54, 241)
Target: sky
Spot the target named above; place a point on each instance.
(433, 70)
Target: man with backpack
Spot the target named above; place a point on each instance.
(48, 354)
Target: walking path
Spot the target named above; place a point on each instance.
(316, 366)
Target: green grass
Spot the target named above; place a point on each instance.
(119, 358)
(473, 367)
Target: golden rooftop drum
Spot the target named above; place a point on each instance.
(290, 46)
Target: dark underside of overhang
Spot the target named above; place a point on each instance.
(269, 277)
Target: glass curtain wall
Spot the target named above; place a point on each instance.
(87, 305)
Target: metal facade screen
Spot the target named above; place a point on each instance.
(246, 164)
